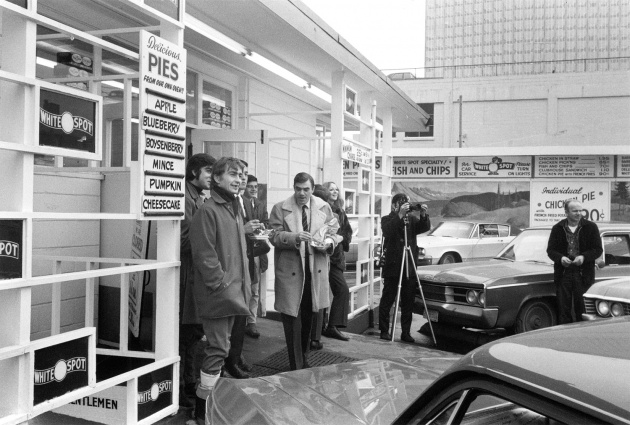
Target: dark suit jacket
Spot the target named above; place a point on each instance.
(394, 233)
(257, 212)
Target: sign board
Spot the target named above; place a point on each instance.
(109, 406)
(163, 129)
(355, 153)
(139, 241)
(623, 166)
(423, 168)
(59, 369)
(547, 200)
(572, 166)
(11, 249)
(155, 391)
(66, 121)
(500, 167)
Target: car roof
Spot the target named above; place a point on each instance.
(584, 364)
(474, 222)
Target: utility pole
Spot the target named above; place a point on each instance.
(460, 120)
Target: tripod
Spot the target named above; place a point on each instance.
(404, 268)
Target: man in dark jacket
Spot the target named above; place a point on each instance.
(198, 178)
(574, 245)
(393, 226)
(222, 286)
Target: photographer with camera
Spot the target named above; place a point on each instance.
(393, 226)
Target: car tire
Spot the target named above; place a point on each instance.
(535, 314)
(448, 258)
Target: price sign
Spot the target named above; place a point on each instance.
(548, 198)
(572, 166)
(623, 166)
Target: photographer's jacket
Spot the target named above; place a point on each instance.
(394, 233)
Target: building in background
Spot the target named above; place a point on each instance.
(468, 38)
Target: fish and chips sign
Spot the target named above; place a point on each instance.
(163, 129)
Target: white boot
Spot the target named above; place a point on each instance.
(204, 389)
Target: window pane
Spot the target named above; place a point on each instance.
(487, 409)
(192, 99)
(216, 106)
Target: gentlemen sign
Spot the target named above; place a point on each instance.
(163, 129)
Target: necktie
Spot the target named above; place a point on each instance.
(304, 219)
(307, 265)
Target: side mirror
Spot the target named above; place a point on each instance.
(600, 263)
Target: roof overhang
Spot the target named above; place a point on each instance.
(294, 37)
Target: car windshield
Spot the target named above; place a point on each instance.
(453, 229)
(531, 245)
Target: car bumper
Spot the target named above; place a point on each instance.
(591, 317)
(425, 261)
(461, 315)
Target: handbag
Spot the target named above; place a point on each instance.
(257, 248)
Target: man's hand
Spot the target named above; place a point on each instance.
(566, 261)
(252, 225)
(423, 210)
(404, 208)
(304, 236)
(579, 260)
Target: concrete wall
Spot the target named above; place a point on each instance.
(554, 109)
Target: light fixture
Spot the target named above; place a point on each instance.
(214, 35)
(276, 69)
(46, 62)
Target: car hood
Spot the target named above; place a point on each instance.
(485, 271)
(367, 391)
(436, 241)
(618, 288)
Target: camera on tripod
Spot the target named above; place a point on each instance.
(415, 207)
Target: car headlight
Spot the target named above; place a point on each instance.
(482, 299)
(422, 252)
(603, 309)
(616, 309)
(471, 297)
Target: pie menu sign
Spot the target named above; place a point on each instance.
(574, 166)
(163, 126)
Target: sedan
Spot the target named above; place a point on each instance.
(574, 374)
(462, 241)
(610, 298)
(515, 290)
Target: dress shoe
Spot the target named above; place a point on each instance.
(243, 365)
(406, 337)
(316, 345)
(333, 332)
(251, 331)
(236, 372)
(385, 335)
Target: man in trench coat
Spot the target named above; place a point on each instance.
(301, 270)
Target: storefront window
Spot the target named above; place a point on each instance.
(192, 99)
(216, 106)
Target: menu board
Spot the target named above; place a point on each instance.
(548, 198)
(623, 166)
(574, 166)
(495, 166)
(355, 153)
(163, 130)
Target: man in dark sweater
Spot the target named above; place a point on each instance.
(574, 245)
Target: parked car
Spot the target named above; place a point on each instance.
(573, 374)
(515, 290)
(609, 298)
(462, 241)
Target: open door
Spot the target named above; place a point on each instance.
(248, 145)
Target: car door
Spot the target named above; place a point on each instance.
(616, 256)
(492, 238)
